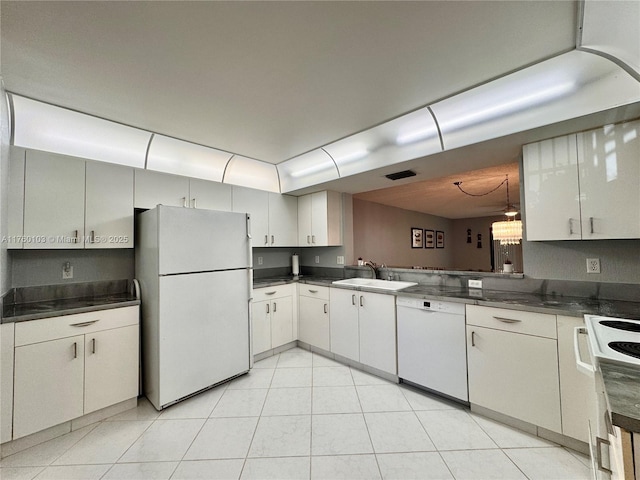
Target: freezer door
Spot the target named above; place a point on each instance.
(204, 331)
(195, 240)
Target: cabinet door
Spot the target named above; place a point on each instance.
(313, 322)
(48, 387)
(6, 380)
(377, 325)
(283, 220)
(15, 198)
(577, 390)
(319, 227)
(256, 203)
(514, 374)
(304, 220)
(155, 188)
(108, 206)
(53, 201)
(281, 321)
(552, 198)
(209, 195)
(345, 337)
(111, 367)
(261, 326)
(609, 172)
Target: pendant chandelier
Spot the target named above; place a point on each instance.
(509, 231)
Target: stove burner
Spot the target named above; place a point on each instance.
(627, 348)
(628, 326)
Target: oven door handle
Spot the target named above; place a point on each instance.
(582, 366)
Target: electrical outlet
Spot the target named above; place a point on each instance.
(475, 283)
(317, 258)
(340, 260)
(260, 260)
(593, 265)
(67, 271)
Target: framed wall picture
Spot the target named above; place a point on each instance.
(429, 239)
(416, 238)
(439, 239)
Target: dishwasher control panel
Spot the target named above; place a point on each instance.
(431, 305)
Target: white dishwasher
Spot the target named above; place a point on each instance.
(432, 350)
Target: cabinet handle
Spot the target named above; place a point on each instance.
(507, 320)
(266, 239)
(84, 324)
(273, 239)
(313, 291)
(571, 226)
(313, 239)
(309, 239)
(267, 308)
(92, 238)
(75, 349)
(270, 293)
(599, 443)
(75, 236)
(274, 307)
(195, 202)
(184, 202)
(361, 301)
(353, 299)
(591, 225)
(473, 338)
(325, 308)
(249, 229)
(93, 345)
(581, 364)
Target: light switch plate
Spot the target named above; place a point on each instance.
(317, 258)
(340, 260)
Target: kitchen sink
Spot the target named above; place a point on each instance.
(391, 285)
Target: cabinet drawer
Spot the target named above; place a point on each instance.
(529, 323)
(46, 329)
(268, 293)
(314, 291)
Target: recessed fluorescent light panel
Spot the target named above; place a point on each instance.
(306, 170)
(41, 126)
(251, 173)
(170, 155)
(568, 86)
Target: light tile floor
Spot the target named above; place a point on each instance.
(298, 415)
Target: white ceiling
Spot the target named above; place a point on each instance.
(272, 80)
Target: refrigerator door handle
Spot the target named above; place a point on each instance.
(248, 226)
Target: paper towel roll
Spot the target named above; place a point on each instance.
(295, 267)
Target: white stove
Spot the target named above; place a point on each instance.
(614, 339)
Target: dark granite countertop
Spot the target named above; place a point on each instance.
(622, 388)
(33, 303)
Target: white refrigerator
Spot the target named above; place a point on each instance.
(194, 268)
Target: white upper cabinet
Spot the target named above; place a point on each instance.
(552, 199)
(209, 195)
(584, 186)
(283, 220)
(154, 188)
(320, 219)
(53, 201)
(108, 206)
(274, 219)
(609, 173)
(15, 218)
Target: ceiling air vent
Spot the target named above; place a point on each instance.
(402, 174)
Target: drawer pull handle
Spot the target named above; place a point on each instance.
(599, 443)
(313, 291)
(270, 293)
(507, 320)
(84, 324)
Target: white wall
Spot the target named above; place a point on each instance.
(467, 256)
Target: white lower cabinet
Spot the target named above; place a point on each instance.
(272, 317)
(513, 364)
(363, 328)
(313, 324)
(6, 380)
(72, 365)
